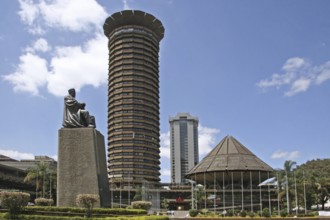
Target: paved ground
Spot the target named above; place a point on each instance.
(179, 214)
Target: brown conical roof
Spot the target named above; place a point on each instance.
(230, 155)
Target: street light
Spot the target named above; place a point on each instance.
(192, 192)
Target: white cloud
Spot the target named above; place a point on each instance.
(324, 73)
(77, 66)
(299, 85)
(54, 157)
(39, 45)
(206, 139)
(166, 172)
(165, 175)
(28, 11)
(73, 15)
(70, 67)
(299, 75)
(294, 63)
(62, 67)
(285, 155)
(277, 80)
(30, 74)
(17, 155)
(165, 145)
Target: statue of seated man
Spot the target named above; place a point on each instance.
(75, 115)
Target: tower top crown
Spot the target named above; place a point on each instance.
(133, 17)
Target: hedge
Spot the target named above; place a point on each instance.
(41, 217)
(141, 205)
(43, 202)
(193, 212)
(106, 211)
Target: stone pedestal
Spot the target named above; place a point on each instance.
(81, 166)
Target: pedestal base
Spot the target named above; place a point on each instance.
(81, 166)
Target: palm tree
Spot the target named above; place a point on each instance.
(288, 165)
(52, 182)
(43, 171)
(39, 175)
(32, 175)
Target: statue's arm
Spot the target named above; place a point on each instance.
(81, 105)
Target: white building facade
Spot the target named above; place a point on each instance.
(184, 145)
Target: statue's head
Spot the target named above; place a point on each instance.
(72, 92)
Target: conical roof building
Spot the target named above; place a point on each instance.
(230, 155)
(230, 164)
(232, 174)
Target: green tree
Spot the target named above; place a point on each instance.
(43, 178)
(316, 176)
(199, 195)
(165, 204)
(31, 176)
(138, 194)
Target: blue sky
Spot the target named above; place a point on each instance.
(257, 70)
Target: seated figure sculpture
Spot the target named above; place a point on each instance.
(75, 115)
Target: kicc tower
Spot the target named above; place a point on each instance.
(133, 97)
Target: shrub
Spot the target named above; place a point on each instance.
(193, 212)
(43, 202)
(141, 205)
(313, 214)
(14, 201)
(266, 213)
(230, 212)
(87, 201)
(204, 211)
(283, 213)
(251, 214)
(243, 213)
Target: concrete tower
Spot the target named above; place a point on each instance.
(184, 145)
(133, 97)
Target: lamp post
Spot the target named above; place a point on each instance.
(192, 192)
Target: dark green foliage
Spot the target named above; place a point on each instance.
(193, 212)
(138, 194)
(141, 205)
(251, 214)
(284, 213)
(165, 204)
(266, 213)
(230, 213)
(243, 213)
(312, 214)
(311, 179)
(317, 181)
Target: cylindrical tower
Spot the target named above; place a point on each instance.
(133, 97)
